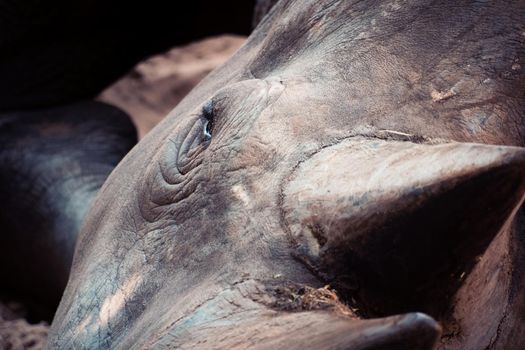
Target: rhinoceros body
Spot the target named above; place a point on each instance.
(372, 146)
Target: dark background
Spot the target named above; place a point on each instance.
(55, 52)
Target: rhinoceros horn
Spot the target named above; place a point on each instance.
(390, 223)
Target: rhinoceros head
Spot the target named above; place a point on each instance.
(333, 179)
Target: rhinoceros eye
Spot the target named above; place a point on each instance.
(207, 130)
(207, 114)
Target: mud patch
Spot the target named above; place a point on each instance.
(440, 96)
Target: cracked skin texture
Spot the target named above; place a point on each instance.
(205, 225)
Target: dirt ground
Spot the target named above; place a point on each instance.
(147, 94)
(154, 87)
(16, 333)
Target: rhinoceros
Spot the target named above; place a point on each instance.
(350, 179)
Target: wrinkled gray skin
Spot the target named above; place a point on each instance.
(343, 144)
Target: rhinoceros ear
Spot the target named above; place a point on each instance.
(395, 222)
(262, 7)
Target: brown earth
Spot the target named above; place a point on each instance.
(154, 87)
(147, 94)
(16, 333)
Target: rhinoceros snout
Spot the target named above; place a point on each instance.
(389, 223)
